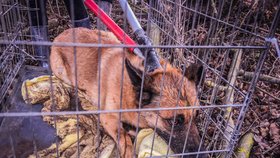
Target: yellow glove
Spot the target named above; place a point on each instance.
(144, 144)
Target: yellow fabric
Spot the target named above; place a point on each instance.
(38, 90)
(144, 144)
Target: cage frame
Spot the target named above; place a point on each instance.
(19, 44)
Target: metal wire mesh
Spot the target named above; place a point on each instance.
(212, 33)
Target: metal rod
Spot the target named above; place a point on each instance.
(135, 25)
(141, 37)
(67, 44)
(112, 26)
(54, 113)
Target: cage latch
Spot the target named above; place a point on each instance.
(274, 41)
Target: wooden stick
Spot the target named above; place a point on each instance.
(229, 98)
(214, 7)
(245, 145)
(264, 91)
(210, 83)
(155, 35)
(249, 75)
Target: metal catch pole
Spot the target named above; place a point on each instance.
(141, 37)
(112, 26)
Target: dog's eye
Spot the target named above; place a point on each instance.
(179, 120)
(146, 98)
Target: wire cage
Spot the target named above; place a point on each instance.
(222, 35)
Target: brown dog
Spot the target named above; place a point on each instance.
(111, 77)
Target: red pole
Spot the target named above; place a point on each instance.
(112, 26)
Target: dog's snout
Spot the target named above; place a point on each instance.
(196, 156)
(195, 145)
(195, 149)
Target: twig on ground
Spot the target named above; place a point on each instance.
(249, 75)
(210, 83)
(214, 7)
(273, 147)
(264, 91)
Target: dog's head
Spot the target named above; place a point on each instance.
(169, 88)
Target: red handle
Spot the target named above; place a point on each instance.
(112, 26)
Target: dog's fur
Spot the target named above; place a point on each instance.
(112, 62)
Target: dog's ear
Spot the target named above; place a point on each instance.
(194, 73)
(134, 74)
